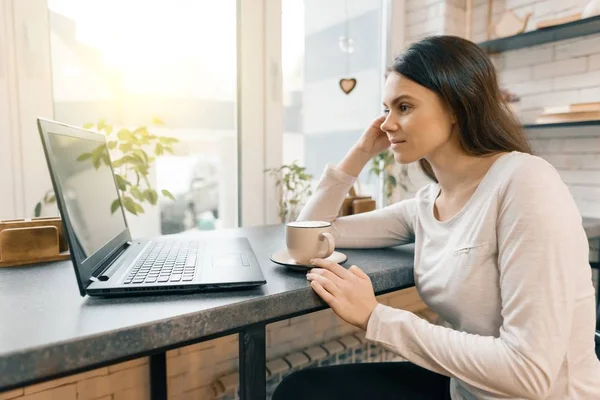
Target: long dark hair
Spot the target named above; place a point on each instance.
(465, 79)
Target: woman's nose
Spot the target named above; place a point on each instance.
(388, 125)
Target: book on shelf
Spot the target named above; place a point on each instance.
(571, 108)
(568, 117)
(558, 21)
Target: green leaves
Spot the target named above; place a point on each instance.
(122, 183)
(383, 162)
(132, 206)
(141, 132)
(114, 206)
(293, 186)
(137, 193)
(125, 147)
(98, 155)
(125, 135)
(168, 140)
(38, 209)
(142, 155)
(167, 194)
(133, 151)
(142, 169)
(127, 159)
(84, 156)
(48, 198)
(152, 196)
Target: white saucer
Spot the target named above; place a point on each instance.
(282, 257)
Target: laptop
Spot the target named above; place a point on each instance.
(107, 261)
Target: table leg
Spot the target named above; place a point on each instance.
(253, 365)
(158, 376)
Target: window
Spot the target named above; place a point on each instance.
(322, 44)
(130, 63)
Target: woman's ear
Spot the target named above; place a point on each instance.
(452, 118)
(450, 113)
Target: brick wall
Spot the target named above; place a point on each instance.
(553, 74)
(556, 74)
(194, 372)
(125, 381)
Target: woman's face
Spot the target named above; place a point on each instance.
(417, 122)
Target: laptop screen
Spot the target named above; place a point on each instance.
(88, 188)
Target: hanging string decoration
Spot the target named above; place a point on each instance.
(346, 43)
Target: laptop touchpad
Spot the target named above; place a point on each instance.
(227, 261)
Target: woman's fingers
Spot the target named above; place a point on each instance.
(325, 295)
(358, 272)
(327, 274)
(331, 266)
(326, 283)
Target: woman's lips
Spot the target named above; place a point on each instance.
(397, 143)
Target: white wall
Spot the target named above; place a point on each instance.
(333, 12)
(293, 149)
(25, 90)
(553, 74)
(10, 193)
(328, 109)
(557, 74)
(424, 18)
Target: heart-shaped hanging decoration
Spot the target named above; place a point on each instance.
(347, 84)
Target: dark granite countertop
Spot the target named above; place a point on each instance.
(48, 330)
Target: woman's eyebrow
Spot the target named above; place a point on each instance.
(400, 98)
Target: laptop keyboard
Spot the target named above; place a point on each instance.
(168, 261)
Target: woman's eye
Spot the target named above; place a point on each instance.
(386, 110)
(404, 107)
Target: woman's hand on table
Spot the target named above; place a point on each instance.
(349, 292)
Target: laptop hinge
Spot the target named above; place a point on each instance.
(105, 264)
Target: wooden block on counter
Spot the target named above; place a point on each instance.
(346, 208)
(363, 205)
(32, 241)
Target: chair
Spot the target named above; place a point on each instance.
(597, 337)
(596, 265)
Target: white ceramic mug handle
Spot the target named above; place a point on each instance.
(330, 245)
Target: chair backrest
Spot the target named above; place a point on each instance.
(598, 318)
(597, 336)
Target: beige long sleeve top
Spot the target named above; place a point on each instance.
(509, 275)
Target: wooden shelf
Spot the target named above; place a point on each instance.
(582, 27)
(562, 124)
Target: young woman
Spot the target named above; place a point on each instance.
(500, 252)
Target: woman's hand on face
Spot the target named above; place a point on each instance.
(373, 141)
(349, 292)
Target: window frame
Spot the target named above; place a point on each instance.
(26, 93)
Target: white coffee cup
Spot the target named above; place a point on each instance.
(306, 240)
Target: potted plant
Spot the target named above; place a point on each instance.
(129, 151)
(382, 166)
(293, 189)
